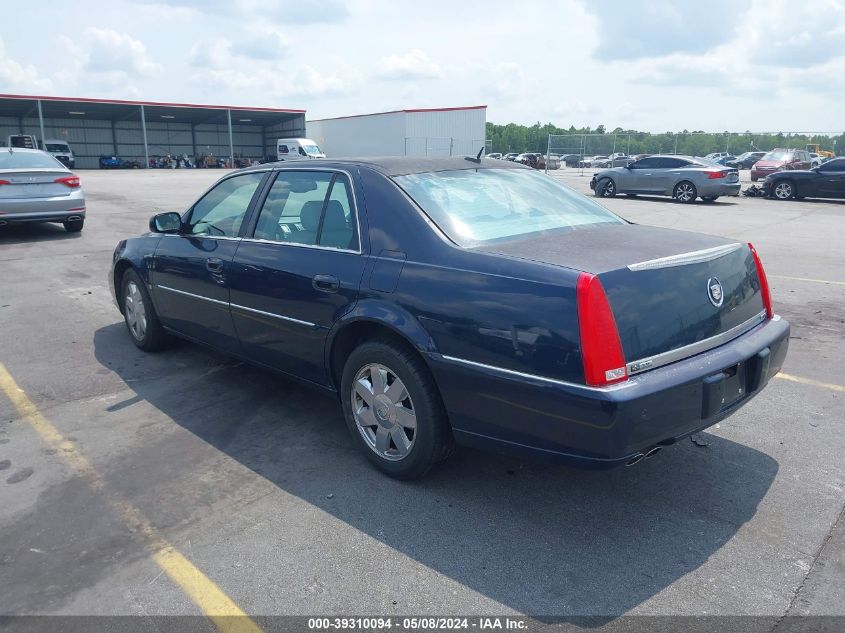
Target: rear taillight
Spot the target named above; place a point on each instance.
(68, 181)
(712, 175)
(764, 283)
(601, 349)
(5, 182)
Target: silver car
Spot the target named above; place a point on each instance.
(682, 177)
(35, 187)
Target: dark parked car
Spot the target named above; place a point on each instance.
(571, 160)
(779, 160)
(825, 181)
(460, 300)
(746, 160)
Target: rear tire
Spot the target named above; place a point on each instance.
(709, 198)
(139, 314)
(754, 178)
(74, 226)
(685, 192)
(783, 189)
(393, 410)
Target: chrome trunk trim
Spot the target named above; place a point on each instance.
(653, 362)
(694, 257)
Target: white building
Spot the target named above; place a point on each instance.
(422, 132)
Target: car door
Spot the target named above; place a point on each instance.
(638, 175)
(831, 179)
(190, 269)
(670, 172)
(299, 270)
(650, 176)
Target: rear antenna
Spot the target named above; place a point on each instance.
(477, 158)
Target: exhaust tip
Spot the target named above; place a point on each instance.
(3, 223)
(654, 451)
(74, 217)
(636, 459)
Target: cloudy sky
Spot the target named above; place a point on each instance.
(656, 65)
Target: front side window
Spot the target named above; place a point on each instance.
(478, 206)
(221, 211)
(834, 165)
(645, 163)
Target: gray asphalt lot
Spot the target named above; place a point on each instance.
(254, 479)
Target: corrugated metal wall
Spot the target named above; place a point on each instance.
(445, 132)
(432, 133)
(91, 138)
(370, 135)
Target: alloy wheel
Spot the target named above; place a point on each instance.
(383, 411)
(685, 192)
(136, 313)
(783, 191)
(609, 189)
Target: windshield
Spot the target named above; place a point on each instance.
(477, 206)
(27, 160)
(778, 154)
(56, 147)
(311, 149)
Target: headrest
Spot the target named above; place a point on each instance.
(310, 215)
(335, 217)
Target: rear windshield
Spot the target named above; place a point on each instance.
(27, 160)
(480, 206)
(778, 154)
(55, 147)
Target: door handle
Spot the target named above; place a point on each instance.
(213, 264)
(325, 283)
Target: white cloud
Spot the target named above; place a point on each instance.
(414, 64)
(262, 44)
(108, 51)
(300, 81)
(20, 77)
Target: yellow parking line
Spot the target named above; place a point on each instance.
(815, 281)
(211, 600)
(813, 383)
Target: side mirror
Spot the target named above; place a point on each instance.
(168, 222)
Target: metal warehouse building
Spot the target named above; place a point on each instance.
(423, 132)
(139, 130)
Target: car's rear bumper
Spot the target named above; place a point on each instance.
(53, 209)
(531, 416)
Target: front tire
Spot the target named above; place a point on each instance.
(685, 192)
(605, 188)
(74, 226)
(140, 316)
(393, 410)
(783, 190)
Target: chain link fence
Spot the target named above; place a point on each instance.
(575, 148)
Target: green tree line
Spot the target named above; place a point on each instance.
(514, 137)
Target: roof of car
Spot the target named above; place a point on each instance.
(402, 165)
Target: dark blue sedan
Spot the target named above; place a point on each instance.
(457, 300)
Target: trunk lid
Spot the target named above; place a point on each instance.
(673, 293)
(33, 183)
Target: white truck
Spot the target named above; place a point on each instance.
(301, 147)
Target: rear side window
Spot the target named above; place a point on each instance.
(311, 208)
